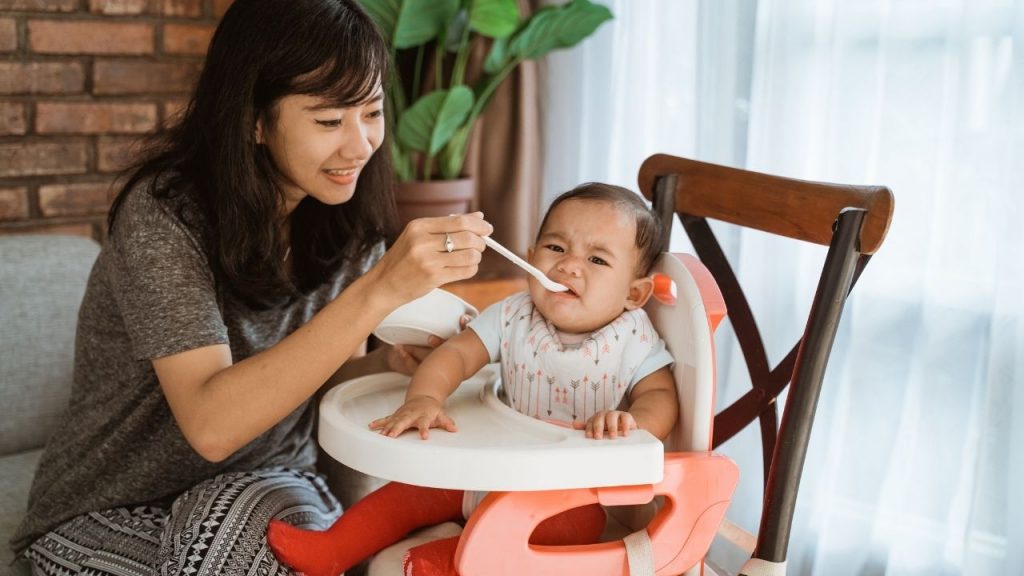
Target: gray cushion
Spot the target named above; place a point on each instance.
(42, 280)
(16, 472)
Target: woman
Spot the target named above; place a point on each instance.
(244, 266)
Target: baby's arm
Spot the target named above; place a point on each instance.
(435, 379)
(653, 406)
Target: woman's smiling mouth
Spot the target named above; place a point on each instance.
(338, 176)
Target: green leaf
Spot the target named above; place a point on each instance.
(557, 27)
(401, 163)
(408, 23)
(454, 154)
(497, 57)
(432, 120)
(456, 28)
(494, 18)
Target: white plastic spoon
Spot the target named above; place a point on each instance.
(546, 282)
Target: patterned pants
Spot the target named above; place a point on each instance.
(217, 527)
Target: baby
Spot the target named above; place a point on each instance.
(587, 358)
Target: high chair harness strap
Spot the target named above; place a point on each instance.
(639, 553)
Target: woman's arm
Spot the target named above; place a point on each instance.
(220, 405)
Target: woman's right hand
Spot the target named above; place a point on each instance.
(421, 412)
(419, 260)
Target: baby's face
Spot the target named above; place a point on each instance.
(590, 247)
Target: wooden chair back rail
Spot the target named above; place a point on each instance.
(852, 221)
(786, 206)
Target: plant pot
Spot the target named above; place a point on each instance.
(433, 198)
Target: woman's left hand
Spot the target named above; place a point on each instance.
(406, 359)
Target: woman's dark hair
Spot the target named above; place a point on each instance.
(648, 226)
(262, 51)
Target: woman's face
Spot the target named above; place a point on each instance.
(320, 150)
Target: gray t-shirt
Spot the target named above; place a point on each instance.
(152, 294)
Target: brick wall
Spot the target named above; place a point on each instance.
(80, 81)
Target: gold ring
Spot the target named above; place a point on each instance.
(448, 244)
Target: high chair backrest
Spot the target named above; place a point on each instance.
(852, 221)
(687, 326)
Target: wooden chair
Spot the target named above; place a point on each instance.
(852, 221)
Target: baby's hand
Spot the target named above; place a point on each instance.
(422, 412)
(614, 421)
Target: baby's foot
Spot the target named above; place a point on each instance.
(305, 551)
(434, 558)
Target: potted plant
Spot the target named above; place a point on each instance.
(432, 104)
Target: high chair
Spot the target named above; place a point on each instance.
(535, 470)
(543, 469)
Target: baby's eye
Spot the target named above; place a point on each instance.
(376, 113)
(598, 261)
(330, 123)
(554, 248)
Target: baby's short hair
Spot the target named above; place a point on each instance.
(648, 226)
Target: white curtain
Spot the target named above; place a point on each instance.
(620, 96)
(917, 455)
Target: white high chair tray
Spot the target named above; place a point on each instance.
(495, 448)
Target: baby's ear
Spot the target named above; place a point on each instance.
(640, 291)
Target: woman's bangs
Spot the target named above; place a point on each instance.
(348, 78)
